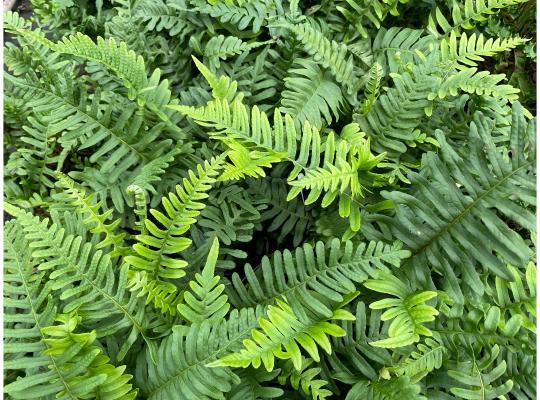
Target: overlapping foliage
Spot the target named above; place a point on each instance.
(263, 199)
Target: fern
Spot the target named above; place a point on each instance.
(262, 199)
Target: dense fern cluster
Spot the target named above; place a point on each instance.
(266, 199)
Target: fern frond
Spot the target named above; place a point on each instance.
(221, 47)
(85, 279)
(187, 351)
(427, 357)
(304, 378)
(331, 54)
(85, 365)
(310, 95)
(465, 17)
(517, 297)
(87, 206)
(408, 312)
(375, 75)
(436, 217)
(476, 380)
(470, 50)
(152, 252)
(283, 330)
(471, 81)
(207, 303)
(330, 271)
(246, 163)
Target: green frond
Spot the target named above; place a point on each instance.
(427, 357)
(310, 95)
(207, 302)
(34, 162)
(85, 280)
(331, 54)
(464, 15)
(408, 312)
(187, 351)
(243, 14)
(517, 297)
(354, 355)
(81, 373)
(471, 81)
(147, 176)
(153, 251)
(221, 47)
(464, 52)
(28, 307)
(373, 86)
(87, 371)
(362, 11)
(394, 117)
(311, 274)
(393, 389)
(280, 336)
(87, 206)
(120, 142)
(304, 378)
(434, 218)
(476, 377)
(396, 48)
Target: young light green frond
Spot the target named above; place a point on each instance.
(85, 369)
(205, 301)
(247, 163)
(223, 88)
(408, 311)
(280, 335)
(481, 83)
